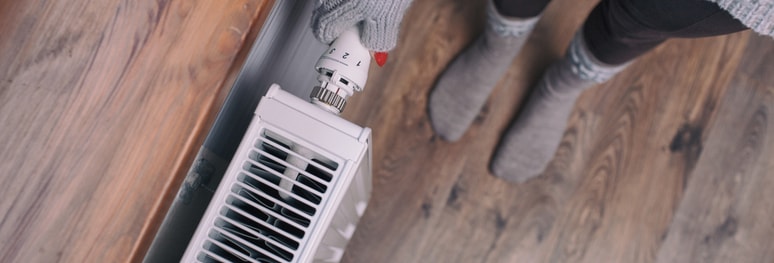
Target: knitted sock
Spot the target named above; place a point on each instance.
(464, 86)
(530, 142)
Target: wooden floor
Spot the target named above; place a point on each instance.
(103, 106)
(671, 161)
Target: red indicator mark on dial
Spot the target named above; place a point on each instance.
(380, 58)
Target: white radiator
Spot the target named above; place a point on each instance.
(294, 191)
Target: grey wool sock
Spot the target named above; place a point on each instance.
(465, 85)
(530, 142)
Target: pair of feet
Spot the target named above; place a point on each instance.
(529, 143)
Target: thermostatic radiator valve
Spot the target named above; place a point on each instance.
(342, 69)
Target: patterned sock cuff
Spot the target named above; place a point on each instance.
(585, 65)
(508, 26)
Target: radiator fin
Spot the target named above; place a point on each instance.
(269, 210)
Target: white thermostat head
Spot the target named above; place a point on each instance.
(343, 69)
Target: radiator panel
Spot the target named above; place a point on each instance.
(294, 191)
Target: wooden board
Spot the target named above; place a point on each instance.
(102, 105)
(632, 148)
(726, 214)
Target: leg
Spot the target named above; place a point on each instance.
(521, 8)
(465, 85)
(615, 33)
(620, 31)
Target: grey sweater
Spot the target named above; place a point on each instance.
(758, 15)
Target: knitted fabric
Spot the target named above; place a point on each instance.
(379, 21)
(585, 65)
(758, 15)
(508, 27)
(530, 142)
(463, 88)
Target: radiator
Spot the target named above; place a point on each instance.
(294, 191)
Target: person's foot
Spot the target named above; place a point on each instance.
(464, 86)
(529, 143)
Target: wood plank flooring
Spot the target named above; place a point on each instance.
(727, 210)
(668, 162)
(103, 105)
(671, 161)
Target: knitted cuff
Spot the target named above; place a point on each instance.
(758, 15)
(380, 33)
(585, 65)
(508, 26)
(379, 20)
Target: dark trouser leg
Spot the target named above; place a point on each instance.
(521, 8)
(618, 31)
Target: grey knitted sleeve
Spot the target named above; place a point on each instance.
(758, 15)
(379, 20)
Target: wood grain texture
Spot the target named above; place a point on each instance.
(103, 104)
(632, 148)
(728, 206)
